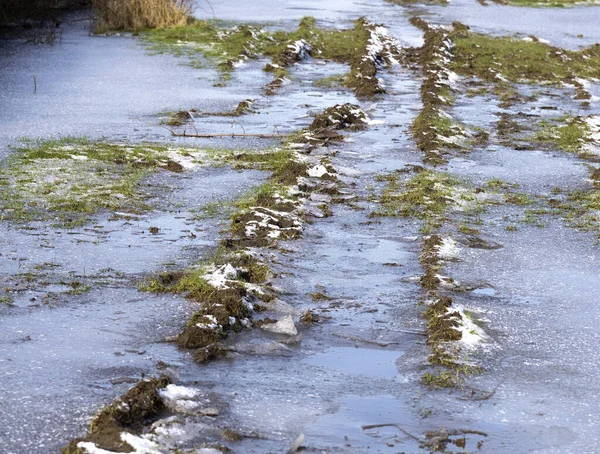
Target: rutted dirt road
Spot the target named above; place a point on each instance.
(397, 252)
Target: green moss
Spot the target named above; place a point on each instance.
(7, 300)
(581, 208)
(496, 184)
(518, 199)
(78, 288)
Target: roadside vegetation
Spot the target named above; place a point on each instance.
(135, 15)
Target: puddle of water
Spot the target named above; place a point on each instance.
(344, 427)
(58, 366)
(486, 291)
(359, 361)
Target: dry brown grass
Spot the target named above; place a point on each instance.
(140, 14)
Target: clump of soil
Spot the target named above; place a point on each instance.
(430, 279)
(262, 227)
(442, 323)
(289, 173)
(507, 126)
(429, 250)
(179, 118)
(173, 166)
(341, 116)
(138, 407)
(293, 53)
(433, 129)
(595, 175)
(220, 307)
(211, 352)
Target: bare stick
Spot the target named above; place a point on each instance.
(377, 426)
(239, 124)
(360, 339)
(485, 396)
(210, 136)
(34, 84)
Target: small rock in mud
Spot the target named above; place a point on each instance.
(284, 326)
(211, 411)
(476, 242)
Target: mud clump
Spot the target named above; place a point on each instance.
(179, 118)
(341, 116)
(196, 337)
(507, 126)
(243, 107)
(442, 323)
(477, 242)
(293, 53)
(595, 175)
(430, 279)
(431, 245)
(222, 312)
(377, 50)
(211, 352)
(262, 227)
(231, 435)
(433, 129)
(173, 166)
(130, 413)
(290, 172)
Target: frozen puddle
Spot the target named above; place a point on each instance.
(359, 361)
(351, 426)
(484, 291)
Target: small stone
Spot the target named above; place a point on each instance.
(284, 326)
(211, 411)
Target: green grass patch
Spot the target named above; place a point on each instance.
(218, 44)
(519, 60)
(551, 3)
(428, 196)
(69, 180)
(336, 81)
(567, 134)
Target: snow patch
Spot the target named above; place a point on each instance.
(448, 250)
(284, 326)
(176, 392)
(219, 276)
